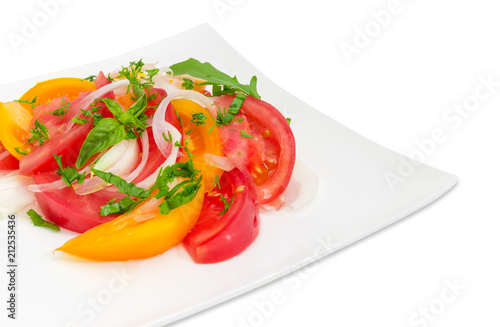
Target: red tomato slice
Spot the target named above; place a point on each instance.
(267, 153)
(101, 80)
(217, 237)
(69, 210)
(7, 161)
(66, 145)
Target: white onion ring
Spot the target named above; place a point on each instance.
(163, 127)
(144, 159)
(219, 162)
(55, 185)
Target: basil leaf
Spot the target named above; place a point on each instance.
(39, 221)
(68, 174)
(123, 186)
(122, 206)
(106, 133)
(215, 77)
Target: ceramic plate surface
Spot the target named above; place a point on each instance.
(354, 200)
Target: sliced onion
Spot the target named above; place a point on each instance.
(55, 185)
(119, 160)
(14, 193)
(219, 162)
(144, 158)
(163, 127)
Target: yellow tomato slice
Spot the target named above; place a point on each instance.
(51, 89)
(136, 235)
(199, 139)
(14, 126)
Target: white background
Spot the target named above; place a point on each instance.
(395, 90)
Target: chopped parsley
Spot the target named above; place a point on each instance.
(199, 118)
(90, 78)
(227, 205)
(62, 110)
(39, 133)
(18, 150)
(188, 84)
(245, 134)
(32, 103)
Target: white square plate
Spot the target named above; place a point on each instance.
(353, 201)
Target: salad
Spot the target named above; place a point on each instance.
(144, 158)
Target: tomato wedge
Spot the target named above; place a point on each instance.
(131, 236)
(261, 144)
(217, 237)
(200, 139)
(69, 210)
(51, 89)
(14, 126)
(7, 161)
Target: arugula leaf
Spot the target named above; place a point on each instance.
(223, 83)
(68, 174)
(123, 186)
(106, 133)
(39, 221)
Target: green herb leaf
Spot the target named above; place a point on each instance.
(183, 192)
(39, 133)
(18, 150)
(68, 174)
(39, 221)
(106, 133)
(234, 108)
(245, 134)
(199, 118)
(289, 120)
(123, 186)
(216, 182)
(62, 110)
(222, 82)
(90, 78)
(188, 84)
(124, 205)
(32, 102)
(227, 205)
